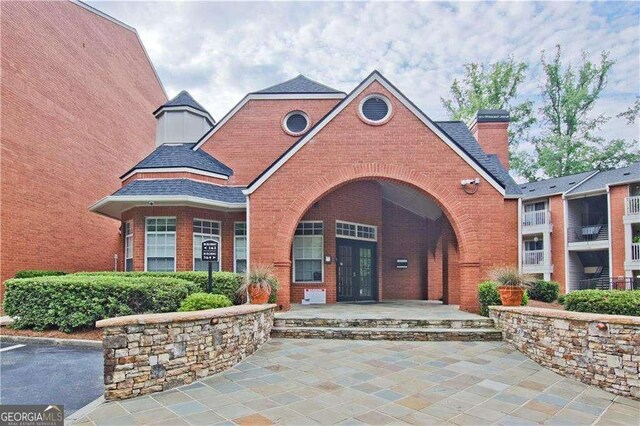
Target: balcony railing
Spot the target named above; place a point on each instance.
(635, 251)
(605, 283)
(632, 205)
(535, 218)
(588, 233)
(533, 257)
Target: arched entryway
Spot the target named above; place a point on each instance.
(458, 230)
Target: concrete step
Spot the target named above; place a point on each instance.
(410, 334)
(384, 323)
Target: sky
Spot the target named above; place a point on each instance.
(221, 51)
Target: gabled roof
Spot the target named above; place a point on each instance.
(480, 164)
(183, 99)
(559, 185)
(600, 180)
(299, 84)
(184, 187)
(169, 156)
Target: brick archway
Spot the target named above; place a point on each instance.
(458, 214)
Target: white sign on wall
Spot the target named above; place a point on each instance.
(314, 296)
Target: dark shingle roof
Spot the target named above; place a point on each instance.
(184, 187)
(299, 84)
(459, 132)
(182, 155)
(609, 177)
(544, 188)
(183, 99)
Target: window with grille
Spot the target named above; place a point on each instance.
(308, 252)
(240, 247)
(160, 247)
(128, 246)
(356, 231)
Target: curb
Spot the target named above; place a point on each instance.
(93, 344)
(82, 412)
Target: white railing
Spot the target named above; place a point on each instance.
(632, 205)
(533, 257)
(535, 218)
(635, 251)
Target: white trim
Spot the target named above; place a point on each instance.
(130, 28)
(293, 260)
(264, 96)
(235, 244)
(384, 119)
(565, 206)
(349, 237)
(295, 112)
(520, 236)
(366, 83)
(247, 216)
(175, 236)
(211, 236)
(192, 110)
(174, 170)
(609, 233)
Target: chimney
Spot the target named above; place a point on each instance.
(490, 128)
(182, 120)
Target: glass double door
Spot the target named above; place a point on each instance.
(356, 270)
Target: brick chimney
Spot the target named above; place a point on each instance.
(490, 130)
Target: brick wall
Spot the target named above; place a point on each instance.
(257, 127)
(617, 194)
(599, 350)
(77, 95)
(156, 352)
(556, 207)
(403, 151)
(184, 234)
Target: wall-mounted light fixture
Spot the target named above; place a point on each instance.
(470, 186)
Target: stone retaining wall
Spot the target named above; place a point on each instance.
(155, 352)
(600, 350)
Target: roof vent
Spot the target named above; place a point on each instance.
(626, 173)
(552, 186)
(572, 182)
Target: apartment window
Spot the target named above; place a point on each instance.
(160, 244)
(531, 245)
(308, 252)
(534, 207)
(240, 247)
(205, 230)
(356, 231)
(128, 246)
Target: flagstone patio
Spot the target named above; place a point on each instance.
(305, 382)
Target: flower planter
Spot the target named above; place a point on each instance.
(258, 296)
(511, 295)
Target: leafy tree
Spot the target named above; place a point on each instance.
(570, 141)
(632, 113)
(492, 87)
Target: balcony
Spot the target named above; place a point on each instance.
(536, 221)
(632, 207)
(533, 261)
(635, 252)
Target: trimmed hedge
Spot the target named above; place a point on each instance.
(32, 273)
(613, 302)
(77, 301)
(488, 295)
(544, 291)
(200, 301)
(226, 283)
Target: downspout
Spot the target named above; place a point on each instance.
(609, 235)
(520, 234)
(565, 206)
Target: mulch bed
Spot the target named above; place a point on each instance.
(538, 304)
(55, 334)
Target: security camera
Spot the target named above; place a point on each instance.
(466, 182)
(151, 203)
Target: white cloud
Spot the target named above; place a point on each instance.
(221, 51)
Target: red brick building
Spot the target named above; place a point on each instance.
(353, 197)
(77, 91)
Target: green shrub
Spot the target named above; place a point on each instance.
(226, 283)
(32, 273)
(544, 291)
(77, 301)
(561, 299)
(488, 295)
(200, 301)
(614, 302)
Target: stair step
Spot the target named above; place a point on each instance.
(411, 334)
(384, 323)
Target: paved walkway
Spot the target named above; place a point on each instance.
(406, 309)
(304, 382)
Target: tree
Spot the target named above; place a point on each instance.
(571, 141)
(493, 87)
(632, 113)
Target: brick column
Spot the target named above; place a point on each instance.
(282, 271)
(469, 279)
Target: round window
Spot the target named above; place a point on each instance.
(375, 108)
(296, 122)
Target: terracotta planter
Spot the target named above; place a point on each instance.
(257, 296)
(511, 296)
